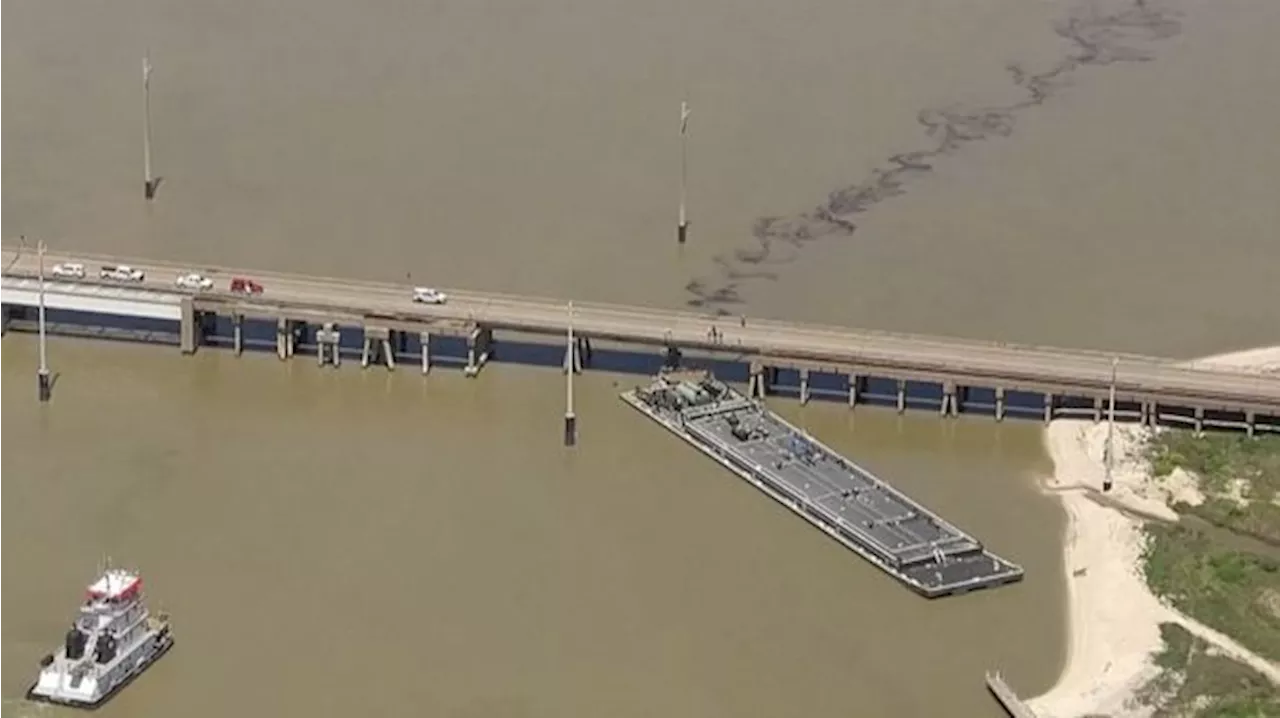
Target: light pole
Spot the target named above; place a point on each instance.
(570, 366)
(42, 376)
(149, 183)
(682, 229)
(1111, 427)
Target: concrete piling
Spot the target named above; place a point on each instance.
(328, 345)
(237, 333)
(187, 331)
(479, 347)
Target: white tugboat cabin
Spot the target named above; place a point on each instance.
(113, 640)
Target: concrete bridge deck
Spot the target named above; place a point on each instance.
(768, 343)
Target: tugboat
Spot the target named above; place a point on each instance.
(112, 641)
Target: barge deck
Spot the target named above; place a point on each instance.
(846, 501)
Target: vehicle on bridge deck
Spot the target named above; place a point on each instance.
(121, 273)
(427, 295)
(71, 270)
(192, 280)
(245, 286)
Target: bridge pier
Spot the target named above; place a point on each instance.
(671, 357)
(804, 387)
(1250, 419)
(284, 338)
(1153, 415)
(1097, 409)
(950, 404)
(237, 333)
(327, 345)
(757, 385)
(479, 347)
(425, 338)
(1199, 413)
(1048, 408)
(999, 403)
(902, 396)
(377, 343)
(187, 336)
(855, 383)
(573, 357)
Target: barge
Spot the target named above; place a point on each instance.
(844, 500)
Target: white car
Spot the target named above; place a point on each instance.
(122, 273)
(71, 270)
(192, 280)
(427, 295)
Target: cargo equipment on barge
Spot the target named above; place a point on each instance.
(843, 499)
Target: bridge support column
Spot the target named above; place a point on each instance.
(1048, 408)
(327, 345)
(1199, 420)
(949, 403)
(425, 338)
(187, 333)
(479, 346)
(1153, 415)
(377, 343)
(757, 386)
(573, 356)
(1097, 409)
(804, 387)
(999, 403)
(1142, 413)
(584, 352)
(237, 333)
(284, 338)
(1250, 419)
(902, 395)
(854, 387)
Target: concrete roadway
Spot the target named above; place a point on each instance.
(1014, 363)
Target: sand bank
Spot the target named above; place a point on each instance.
(1113, 617)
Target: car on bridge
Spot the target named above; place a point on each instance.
(70, 270)
(121, 273)
(191, 280)
(427, 295)
(242, 285)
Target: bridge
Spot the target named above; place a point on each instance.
(949, 375)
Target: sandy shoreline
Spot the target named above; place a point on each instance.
(1113, 617)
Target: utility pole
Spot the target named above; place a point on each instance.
(1109, 458)
(149, 182)
(682, 229)
(42, 376)
(570, 366)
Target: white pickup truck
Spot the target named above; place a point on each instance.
(121, 273)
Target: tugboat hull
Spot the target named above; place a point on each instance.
(164, 641)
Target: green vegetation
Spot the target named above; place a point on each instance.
(1239, 476)
(1222, 567)
(1236, 592)
(1193, 682)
